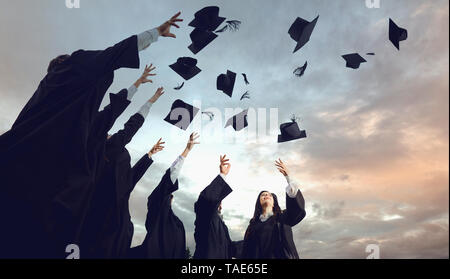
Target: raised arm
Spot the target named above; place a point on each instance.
(125, 54)
(211, 197)
(104, 119)
(118, 141)
(295, 203)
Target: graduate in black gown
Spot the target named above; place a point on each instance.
(211, 235)
(47, 149)
(166, 237)
(72, 212)
(107, 230)
(269, 234)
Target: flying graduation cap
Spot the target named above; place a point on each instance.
(186, 67)
(299, 71)
(353, 60)
(290, 131)
(200, 39)
(239, 121)
(225, 82)
(181, 114)
(396, 34)
(207, 19)
(301, 30)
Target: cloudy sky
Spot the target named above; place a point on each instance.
(374, 168)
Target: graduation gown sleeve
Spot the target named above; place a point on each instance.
(138, 170)
(118, 141)
(295, 210)
(211, 197)
(104, 120)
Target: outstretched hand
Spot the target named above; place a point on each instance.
(159, 92)
(191, 143)
(224, 165)
(156, 148)
(164, 29)
(144, 77)
(282, 167)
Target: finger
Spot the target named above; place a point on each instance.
(176, 15)
(224, 156)
(174, 24)
(220, 157)
(196, 142)
(149, 74)
(151, 69)
(171, 35)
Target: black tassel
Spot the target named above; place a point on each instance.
(232, 25)
(209, 114)
(246, 95)
(245, 78)
(301, 70)
(179, 86)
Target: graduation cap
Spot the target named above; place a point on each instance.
(207, 18)
(186, 67)
(299, 71)
(239, 121)
(181, 114)
(301, 30)
(353, 60)
(396, 34)
(290, 131)
(370, 53)
(201, 38)
(225, 82)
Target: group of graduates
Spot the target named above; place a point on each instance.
(64, 180)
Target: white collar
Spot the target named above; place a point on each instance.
(264, 218)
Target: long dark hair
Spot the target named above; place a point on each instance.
(259, 210)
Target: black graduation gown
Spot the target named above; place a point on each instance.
(47, 150)
(108, 230)
(273, 238)
(166, 238)
(211, 235)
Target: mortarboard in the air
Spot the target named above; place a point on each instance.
(370, 53)
(290, 131)
(181, 114)
(353, 60)
(200, 39)
(207, 18)
(396, 34)
(299, 71)
(225, 82)
(239, 121)
(186, 67)
(301, 30)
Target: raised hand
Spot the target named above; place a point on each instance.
(164, 29)
(191, 143)
(144, 77)
(282, 167)
(224, 165)
(156, 148)
(159, 92)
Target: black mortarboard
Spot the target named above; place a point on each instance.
(239, 121)
(207, 18)
(396, 34)
(290, 131)
(301, 30)
(353, 60)
(186, 67)
(225, 82)
(181, 114)
(200, 38)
